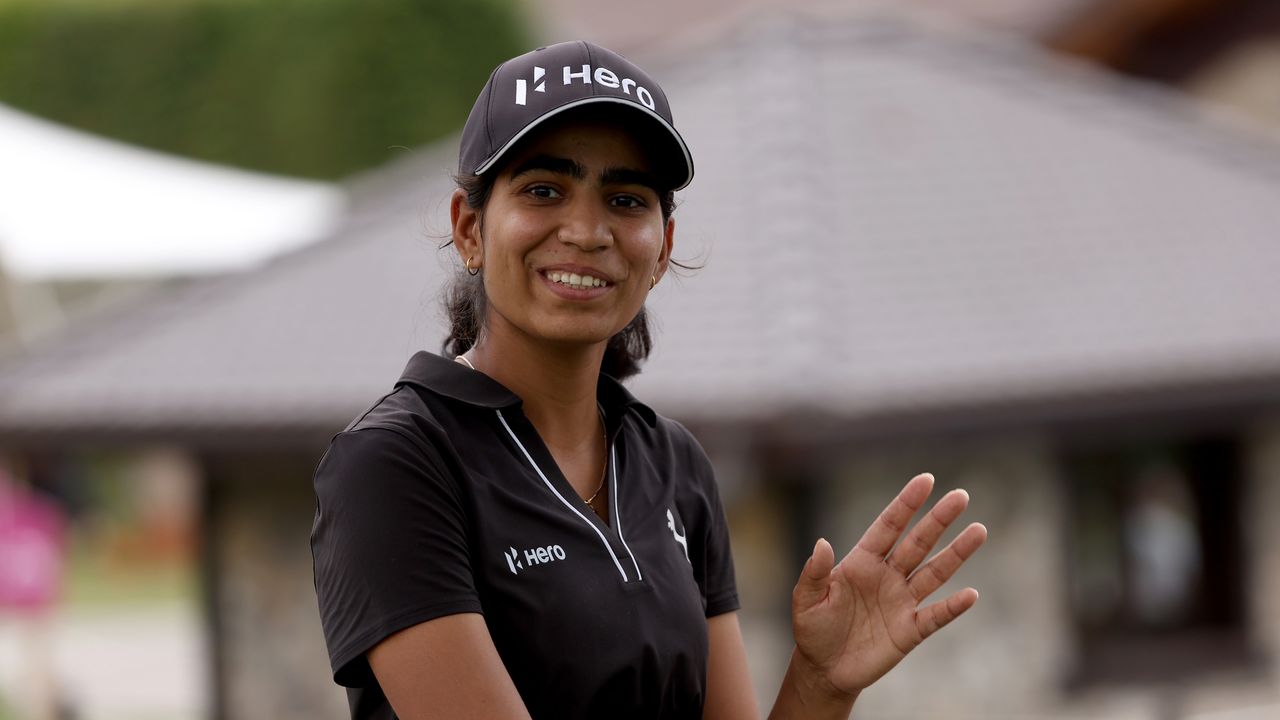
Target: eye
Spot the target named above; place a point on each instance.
(546, 192)
(627, 201)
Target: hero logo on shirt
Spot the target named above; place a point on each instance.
(533, 556)
(569, 75)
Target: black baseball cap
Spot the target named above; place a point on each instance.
(526, 91)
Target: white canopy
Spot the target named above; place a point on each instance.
(73, 205)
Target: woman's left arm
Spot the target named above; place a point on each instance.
(731, 694)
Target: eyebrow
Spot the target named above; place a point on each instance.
(551, 164)
(615, 175)
(628, 176)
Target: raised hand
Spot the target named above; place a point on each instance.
(855, 621)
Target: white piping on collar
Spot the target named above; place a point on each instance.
(617, 514)
(566, 503)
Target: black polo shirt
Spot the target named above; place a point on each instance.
(442, 499)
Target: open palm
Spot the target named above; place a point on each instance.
(854, 621)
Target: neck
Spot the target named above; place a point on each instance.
(556, 383)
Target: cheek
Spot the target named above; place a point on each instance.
(507, 244)
(649, 248)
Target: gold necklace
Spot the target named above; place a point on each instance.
(604, 471)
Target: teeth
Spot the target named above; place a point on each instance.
(575, 281)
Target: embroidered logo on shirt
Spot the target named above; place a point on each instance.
(680, 538)
(533, 556)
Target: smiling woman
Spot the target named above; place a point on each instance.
(584, 183)
(467, 299)
(510, 533)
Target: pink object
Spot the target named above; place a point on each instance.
(31, 550)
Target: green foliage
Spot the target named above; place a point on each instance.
(316, 88)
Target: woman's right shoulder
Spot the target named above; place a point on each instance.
(400, 432)
(405, 416)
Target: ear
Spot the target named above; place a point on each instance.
(465, 221)
(668, 241)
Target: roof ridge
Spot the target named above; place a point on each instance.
(992, 55)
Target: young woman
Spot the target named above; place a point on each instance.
(510, 533)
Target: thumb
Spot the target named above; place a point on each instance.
(811, 588)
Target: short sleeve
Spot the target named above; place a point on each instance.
(714, 568)
(389, 544)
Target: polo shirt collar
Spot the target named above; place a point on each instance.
(454, 380)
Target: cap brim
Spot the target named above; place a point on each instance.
(682, 182)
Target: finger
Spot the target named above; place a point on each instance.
(936, 616)
(920, 541)
(942, 566)
(885, 531)
(814, 580)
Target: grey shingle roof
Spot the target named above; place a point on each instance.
(892, 219)
(902, 219)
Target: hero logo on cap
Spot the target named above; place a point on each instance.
(528, 90)
(521, 84)
(603, 76)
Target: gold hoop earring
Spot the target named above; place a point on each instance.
(470, 271)
(653, 281)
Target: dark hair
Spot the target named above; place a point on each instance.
(466, 302)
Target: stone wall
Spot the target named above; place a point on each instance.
(1262, 520)
(1009, 651)
(271, 658)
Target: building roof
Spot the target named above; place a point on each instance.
(893, 219)
(620, 27)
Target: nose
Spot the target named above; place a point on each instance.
(586, 224)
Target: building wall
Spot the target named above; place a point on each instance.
(1244, 80)
(1263, 533)
(271, 658)
(1009, 651)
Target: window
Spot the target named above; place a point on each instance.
(1155, 559)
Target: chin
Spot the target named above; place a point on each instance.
(576, 332)
(577, 337)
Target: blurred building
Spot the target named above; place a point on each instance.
(925, 248)
(1226, 51)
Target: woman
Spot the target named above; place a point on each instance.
(509, 533)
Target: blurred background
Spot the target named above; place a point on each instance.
(1031, 246)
